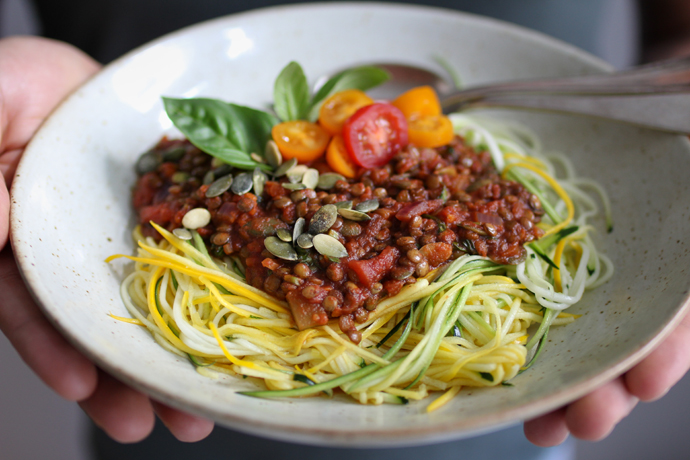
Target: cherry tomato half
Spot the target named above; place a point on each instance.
(430, 130)
(374, 134)
(300, 139)
(339, 107)
(419, 101)
(338, 158)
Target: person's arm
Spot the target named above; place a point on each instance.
(35, 75)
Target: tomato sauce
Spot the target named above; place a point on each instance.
(435, 204)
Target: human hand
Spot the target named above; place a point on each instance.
(35, 74)
(594, 416)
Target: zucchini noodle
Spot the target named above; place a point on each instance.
(467, 324)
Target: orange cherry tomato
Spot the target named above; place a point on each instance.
(338, 108)
(417, 102)
(338, 158)
(300, 139)
(430, 131)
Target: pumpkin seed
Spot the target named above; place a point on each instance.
(293, 187)
(242, 184)
(323, 219)
(182, 233)
(196, 218)
(299, 228)
(284, 235)
(344, 204)
(310, 178)
(219, 186)
(367, 206)
(174, 154)
(327, 181)
(296, 173)
(475, 227)
(280, 249)
(285, 167)
(329, 246)
(401, 273)
(259, 179)
(222, 170)
(305, 241)
(298, 169)
(148, 162)
(272, 154)
(256, 157)
(353, 215)
(208, 179)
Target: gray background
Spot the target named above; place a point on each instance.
(37, 424)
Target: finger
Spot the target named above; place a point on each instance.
(43, 349)
(594, 416)
(185, 427)
(658, 372)
(4, 213)
(8, 164)
(122, 412)
(548, 430)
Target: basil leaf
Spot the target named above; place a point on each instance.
(362, 78)
(214, 127)
(291, 93)
(256, 126)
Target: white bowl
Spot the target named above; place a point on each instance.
(71, 210)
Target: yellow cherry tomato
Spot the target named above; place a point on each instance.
(338, 108)
(338, 158)
(430, 131)
(300, 139)
(417, 102)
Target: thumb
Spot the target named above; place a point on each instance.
(35, 75)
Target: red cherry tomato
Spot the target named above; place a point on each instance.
(374, 134)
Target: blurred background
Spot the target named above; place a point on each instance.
(37, 424)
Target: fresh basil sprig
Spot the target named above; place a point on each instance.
(291, 93)
(232, 132)
(291, 96)
(226, 131)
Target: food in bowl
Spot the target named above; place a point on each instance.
(433, 242)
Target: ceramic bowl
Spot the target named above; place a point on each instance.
(71, 209)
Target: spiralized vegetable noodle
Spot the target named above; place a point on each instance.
(465, 324)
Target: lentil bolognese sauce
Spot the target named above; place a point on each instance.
(412, 229)
(380, 249)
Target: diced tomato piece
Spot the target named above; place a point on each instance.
(373, 270)
(305, 313)
(436, 253)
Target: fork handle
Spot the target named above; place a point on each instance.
(664, 77)
(664, 112)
